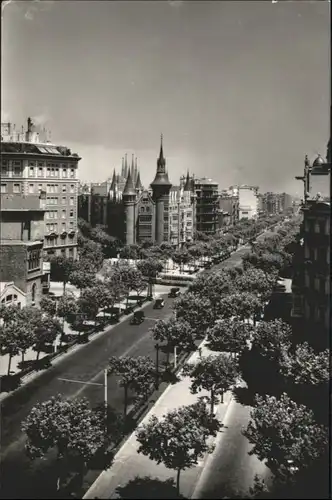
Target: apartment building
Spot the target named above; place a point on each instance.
(311, 280)
(206, 206)
(21, 249)
(30, 166)
(248, 202)
(181, 213)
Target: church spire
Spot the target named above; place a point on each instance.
(135, 170)
(187, 186)
(132, 168)
(129, 189)
(113, 181)
(138, 185)
(122, 168)
(161, 178)
(125, 167)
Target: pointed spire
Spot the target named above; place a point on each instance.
(187, 186)
(125, 167)
(161, 178)
(122, 168)
(113, 181)
(129, 189)
(135, 171)
(139, 185)
(132, 167)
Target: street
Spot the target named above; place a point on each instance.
(229, 471)
(22, 478)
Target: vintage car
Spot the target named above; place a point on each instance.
(138, 317)
(159, 303)
(174, 292)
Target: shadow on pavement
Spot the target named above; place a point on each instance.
(147, 487)
(244, 396)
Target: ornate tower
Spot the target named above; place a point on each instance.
(129, 201)
(160, 189)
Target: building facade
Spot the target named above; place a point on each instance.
(21, 249)
(248, 202)
(228, 213)
(206, 206)
(311, 280)
(275, 203)
(134, 214)
(28, 167)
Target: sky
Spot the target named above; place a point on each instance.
(240, 90)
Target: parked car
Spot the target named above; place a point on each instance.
(138, 318)
(159, 303)
(174, 292)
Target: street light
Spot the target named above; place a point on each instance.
(91, 383)
(157, 365)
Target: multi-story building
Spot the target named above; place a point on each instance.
(135, 214)
(228, 213)
(248, 202)
(311, 280)
(275, 203)
(206, 209)
(181, 212)
(30, 166)
(21, 245)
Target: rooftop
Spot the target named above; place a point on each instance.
(6, 242)
(36, 149)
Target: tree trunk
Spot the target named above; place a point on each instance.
(23, 352)
(222, 396)
(178, 482)
(212, 402)
(64, 286)
(9, 364)
(38, 353)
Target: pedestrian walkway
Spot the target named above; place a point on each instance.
(129, 465)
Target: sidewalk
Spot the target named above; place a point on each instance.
(128, 465)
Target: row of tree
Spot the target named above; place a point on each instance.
(220, 305)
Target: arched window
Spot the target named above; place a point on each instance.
(33, 293)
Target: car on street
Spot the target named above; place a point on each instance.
(137, 318)
(159, 303)
(174, 292)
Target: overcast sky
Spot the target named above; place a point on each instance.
(240, 90)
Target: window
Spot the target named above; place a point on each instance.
(31, 171)
(17, 172)
(17, 164)
(64, 188)
(64, 173)
(71, 201)
(31, 188)
(40, 164)
(142, 209)
(71, 252)
(40, 187)
(63, 226)
(64, 200)
(40, 172)
(48, 172)
(52, 172)
(72, 188)
(71, 224)
(17, 188)
(72, 173)
(147, 209)
(33, 293)
(56, 172)
(4, 170)
(71, 213)
(3, 188)
(64, 214)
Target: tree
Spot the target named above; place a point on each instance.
(195, 310)
(285, 434)
(48, 305)
(229, 335)
(9, 341)
(216, 374)
(212, 287)
(175, 333)
(95, 298)
(256, 281)
(130, 252)
(61, 268)
(82, 279)
(150, 268)
(244, 305)
(67, 307)
(179, 438)
(27, 321)
(91, 255)
(70, 427)
(181, 257)
(135, 374)
(46, 333)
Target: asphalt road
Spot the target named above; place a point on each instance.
(21, 478)
(229, 471)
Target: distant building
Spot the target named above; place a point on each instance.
(30, 164)
(311, 280)
(21, 249)
(228, 213)
(248, 202)
(275, 203)
(206, 208)
(135, 214)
